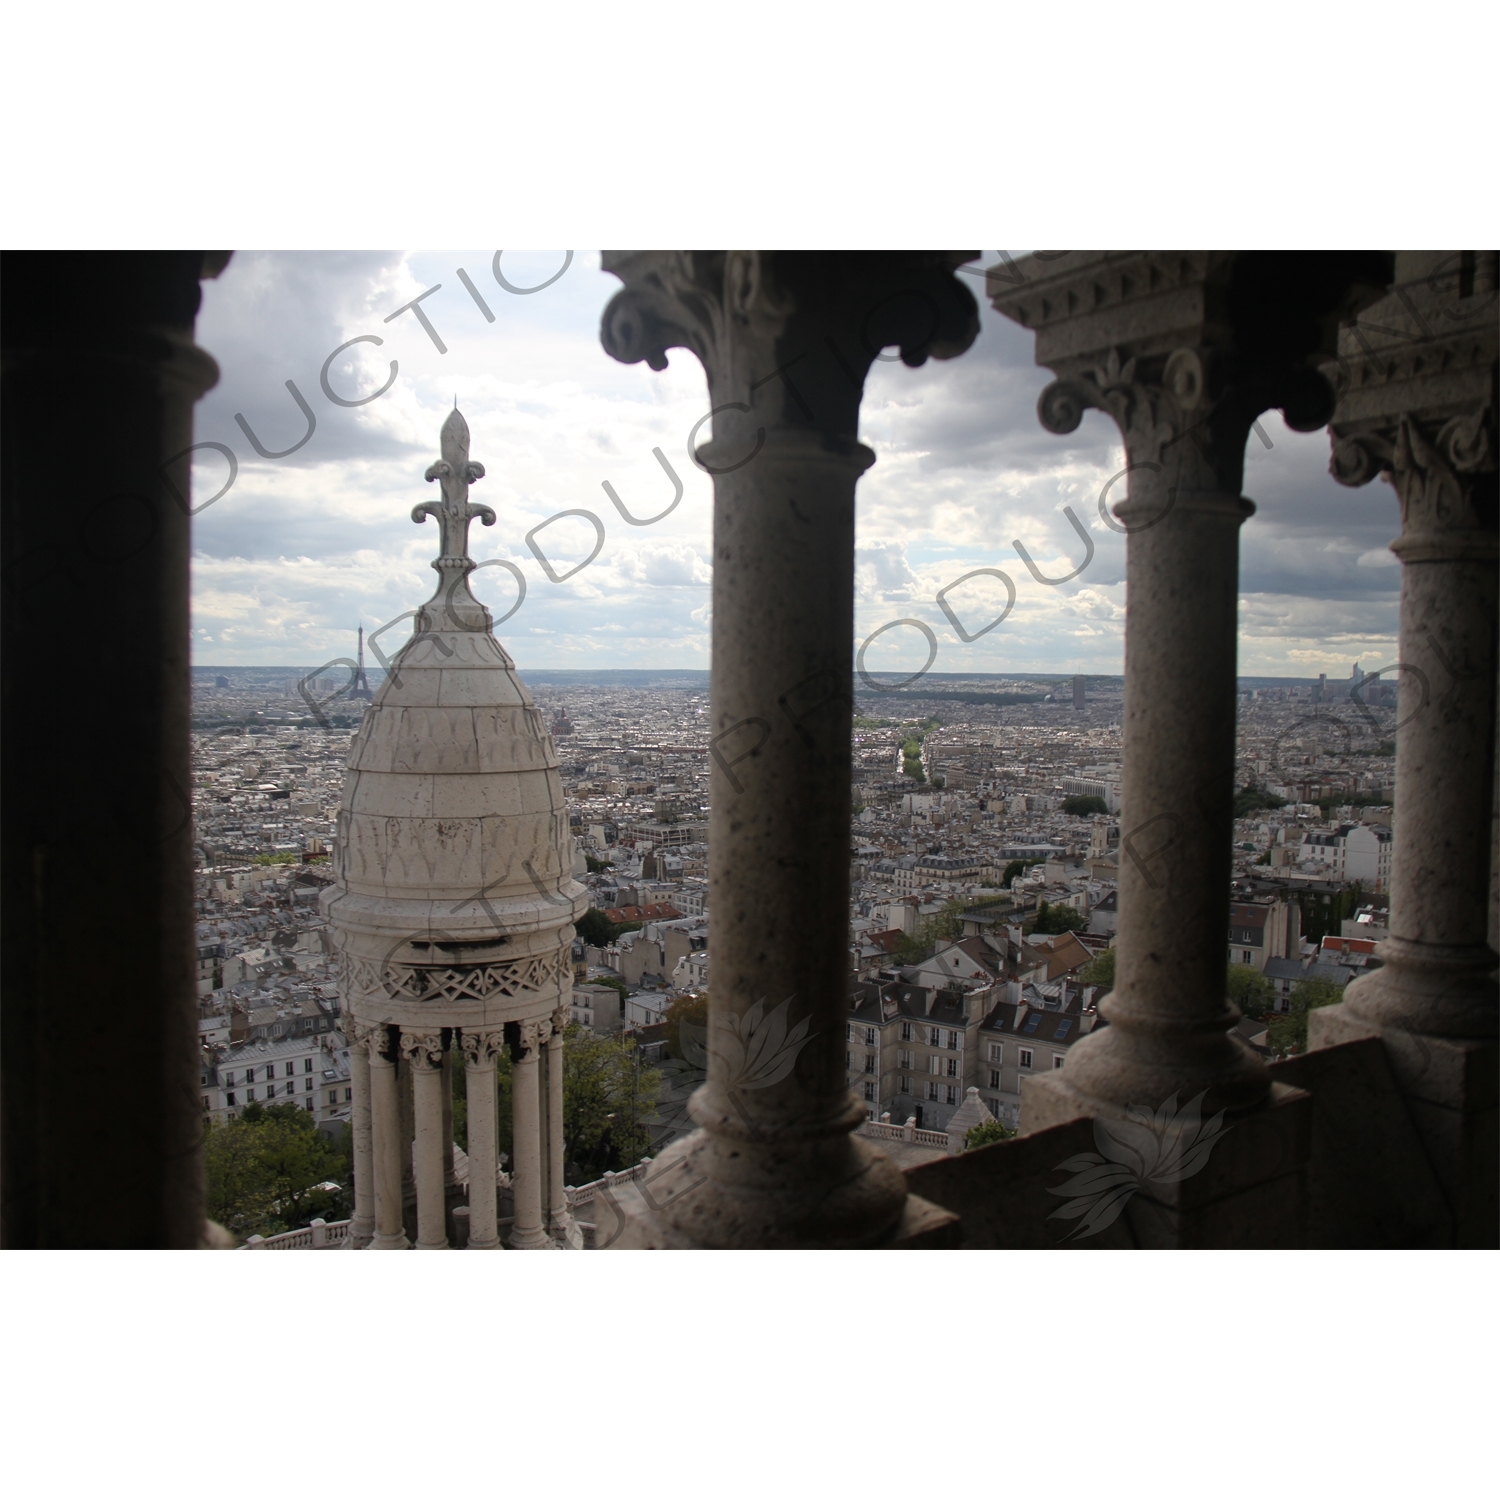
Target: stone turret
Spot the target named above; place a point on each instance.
(454, 899)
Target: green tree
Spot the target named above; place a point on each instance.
(1100, 969)
(595, 928)
(913, 947)
(596, 866)
(1058, 918)
(1251, 799)
(1288, 1032)
(1018, 867)
(987, 1134)
(1082, 807)
(607, 1093)
(263, 1169)
(1246, 987)
(689, 1009)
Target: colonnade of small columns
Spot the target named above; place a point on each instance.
(402, 1080)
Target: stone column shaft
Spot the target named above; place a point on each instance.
(427, 1153)
(1418, 405)
(450, 1180)
(362, 1229)
(385, 1130)
(557, 1199)
(776, 1109)
(405, 1085)
(1439, 962)
(1168, 1015)
(479, 1078)
(526, 1143)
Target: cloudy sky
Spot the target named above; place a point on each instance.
(303, 548)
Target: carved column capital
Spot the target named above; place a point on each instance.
(372, 1038)
(1442, 471)
(423, 1049)
(531, 1034)
(1186, 416)
(786, 337)
(1184, 349)
(1416, 374)
(561, 1019)
(481, 1047)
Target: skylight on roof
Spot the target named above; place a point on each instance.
(1063, 1028)
(1033, 1021)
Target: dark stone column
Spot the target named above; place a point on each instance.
(1183, 350)
(786, 340)
(1418, 407)
(99, 1063)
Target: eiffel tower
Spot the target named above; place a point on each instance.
(361, 688)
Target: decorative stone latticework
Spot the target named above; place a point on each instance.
(1417, 406)
(453, 905)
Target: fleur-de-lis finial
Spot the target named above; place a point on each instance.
(454, 473)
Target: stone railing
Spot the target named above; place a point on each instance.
(317, 1236)
(882, 1130)
(577, 1196)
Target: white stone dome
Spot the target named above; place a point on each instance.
(453, 900)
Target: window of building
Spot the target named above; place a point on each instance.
(934, 1036)
(348, 1095)
(228, 1079)
(205, 1101)
(1025, 1057)
(333, 1096)
(307, 1065)
(932, 1092)
(952, 1093)
(953, 1041)
(869, 1091)
(869, 1036)
(848, 1059)
(309, 1104)
(1057, 1060)
(229, 1098)
(997, 1052)
(290, 1069)
(934, 1064)
(903, 1085)
(906, 1031)
(849, 1031)
(994, 1078)
(869, 1062)
(307, 1085)
(249, 1093)
(1246, 958)
(953, 1067)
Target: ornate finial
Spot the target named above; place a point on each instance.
(455, 473)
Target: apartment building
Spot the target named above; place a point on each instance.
(1260, 931)
(1027, 1037)
(311, 1071)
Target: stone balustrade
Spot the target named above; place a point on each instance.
(316, 1236)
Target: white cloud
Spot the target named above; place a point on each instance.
(301, 549)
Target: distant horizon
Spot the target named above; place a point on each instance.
(585, 674)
